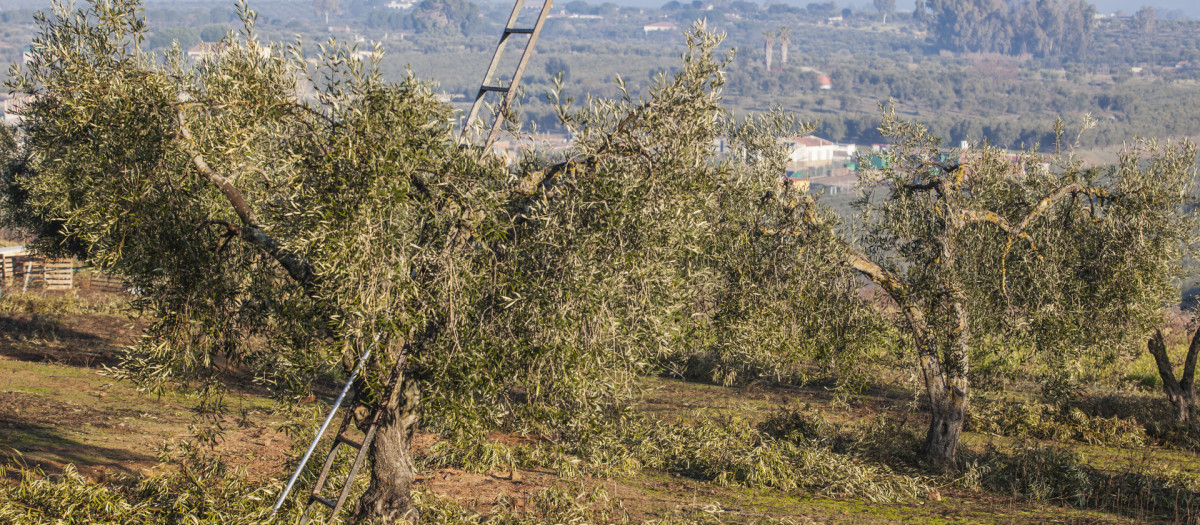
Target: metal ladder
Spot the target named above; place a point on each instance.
(340, 438)
(510, 90)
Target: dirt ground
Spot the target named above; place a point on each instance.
(60, 405)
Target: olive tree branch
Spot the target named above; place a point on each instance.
(230, 228)
(231, 231)
(1189, 363)
(1065, 191)
(1158, 349)
(540, 181)
(935, 184)
(931, 366)
(299, 268)
(969, 216)
(1019, 231)
(938, 183)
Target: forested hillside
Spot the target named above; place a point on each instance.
(972, 69)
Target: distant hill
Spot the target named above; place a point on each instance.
(1189, 7)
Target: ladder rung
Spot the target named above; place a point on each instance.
(518, 30)
(498, 89)
(348, 441)
(322, 501)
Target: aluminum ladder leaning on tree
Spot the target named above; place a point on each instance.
(510, 90)
(339, 439)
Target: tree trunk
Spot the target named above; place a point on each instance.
(946, 384)
(1180, 393)
(388, 499)
(948, 396)
(945, 427)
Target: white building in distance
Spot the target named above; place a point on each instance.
(815, 151)
(660, 26)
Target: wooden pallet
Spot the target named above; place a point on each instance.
(101, 282)
(26, 270)
(58, 274)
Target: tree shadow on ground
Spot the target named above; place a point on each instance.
(47, 433)
(51, 450)
(1144, 407)
(86, 341)
(1152, 411)
(41, 327)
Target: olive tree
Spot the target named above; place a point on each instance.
(1181, 392)
(283, 218)
(715, 280)
(259, 229)
(989, 253)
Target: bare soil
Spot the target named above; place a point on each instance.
(59, 406)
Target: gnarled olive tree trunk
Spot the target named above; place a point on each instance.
(945, 427)
(948, 396)
(388, 497)
(1180, 393)
(945, 376)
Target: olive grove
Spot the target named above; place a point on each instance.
(280, 218)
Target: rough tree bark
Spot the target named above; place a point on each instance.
(388, 498)
(945, 427)
(1180, 393)
(949, 395)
